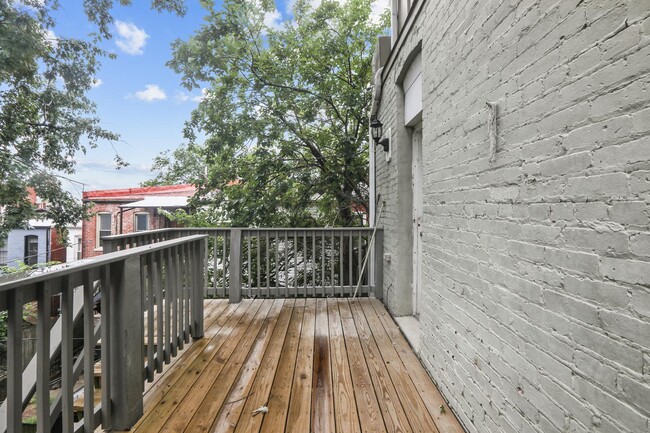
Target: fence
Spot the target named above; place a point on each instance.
(154, 291)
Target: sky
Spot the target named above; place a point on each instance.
(137, 96)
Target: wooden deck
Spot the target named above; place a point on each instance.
(320, 365)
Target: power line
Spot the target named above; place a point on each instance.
(31, 166)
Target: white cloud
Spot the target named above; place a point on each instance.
(273, 20)
(51, 38)
(313, 5)
(108, 166)
(131, 39)
(184, 97)
(150, 93)
(31, 5)
(202, 96)
(377, 8)
(96, 83)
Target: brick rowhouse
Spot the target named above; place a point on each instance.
(113, 204)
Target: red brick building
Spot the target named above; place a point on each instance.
(128, 210)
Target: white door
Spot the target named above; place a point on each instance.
(416, 145)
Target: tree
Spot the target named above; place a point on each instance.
(285, 112)
(184, 165)
(44, 109)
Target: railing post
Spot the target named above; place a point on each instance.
(127, 335)
(234, 268)
(109, 245)
(198, 286)
(378, 264)
(206, 255)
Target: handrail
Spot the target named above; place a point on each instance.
(160, 279)
(82, 265)
(279, 262)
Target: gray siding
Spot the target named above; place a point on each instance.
(536, 298)
(15, 245)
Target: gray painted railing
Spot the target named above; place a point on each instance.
(280, 262)
(155, 287)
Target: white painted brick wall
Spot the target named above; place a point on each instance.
(536, 279)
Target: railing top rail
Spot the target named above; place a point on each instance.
(249, 229)
(128, 235)
(308, 229)
(94, 262)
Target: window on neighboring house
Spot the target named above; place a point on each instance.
(3, 253)
(78, 247)
(103, 228)
(141, 222)
(31, 250)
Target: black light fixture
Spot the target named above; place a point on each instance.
(377, 132)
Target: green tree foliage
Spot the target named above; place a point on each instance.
(285, 113)
(44, 110)
(186, 164)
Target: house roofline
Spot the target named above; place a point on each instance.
(128, 194)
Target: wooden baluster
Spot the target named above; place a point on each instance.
(286, 263)
(341, 282)
(15, 360)
(378, 264)
(160, 312)
(206, 282)
(44, 300)
(304, 262)
(89, 350)
(224, 268)
(187, 276)
(180, 294)
(106, 292)
(250, 276)
(168, 305)
(67, 344)
(350, 256)
(313, 262)
(268, 264)
(295, 263)
(332, 290)
(259, 262)
(215, 277)
(171, 297)
(151, 312)
(359, 258)
(322, 263)
(277, 263)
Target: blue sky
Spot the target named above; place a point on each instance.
(137, 96)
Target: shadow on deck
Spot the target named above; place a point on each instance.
(320, 365)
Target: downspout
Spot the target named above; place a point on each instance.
(374, 108)
(394, 23)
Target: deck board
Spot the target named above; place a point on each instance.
(278, 402)
(299, 416)
(389, 400)
(326, 365)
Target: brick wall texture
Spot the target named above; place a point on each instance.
(127, 217)
(535, 312)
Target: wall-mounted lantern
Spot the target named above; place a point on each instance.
(377, 132)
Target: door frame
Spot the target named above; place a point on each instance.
(417, 213)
